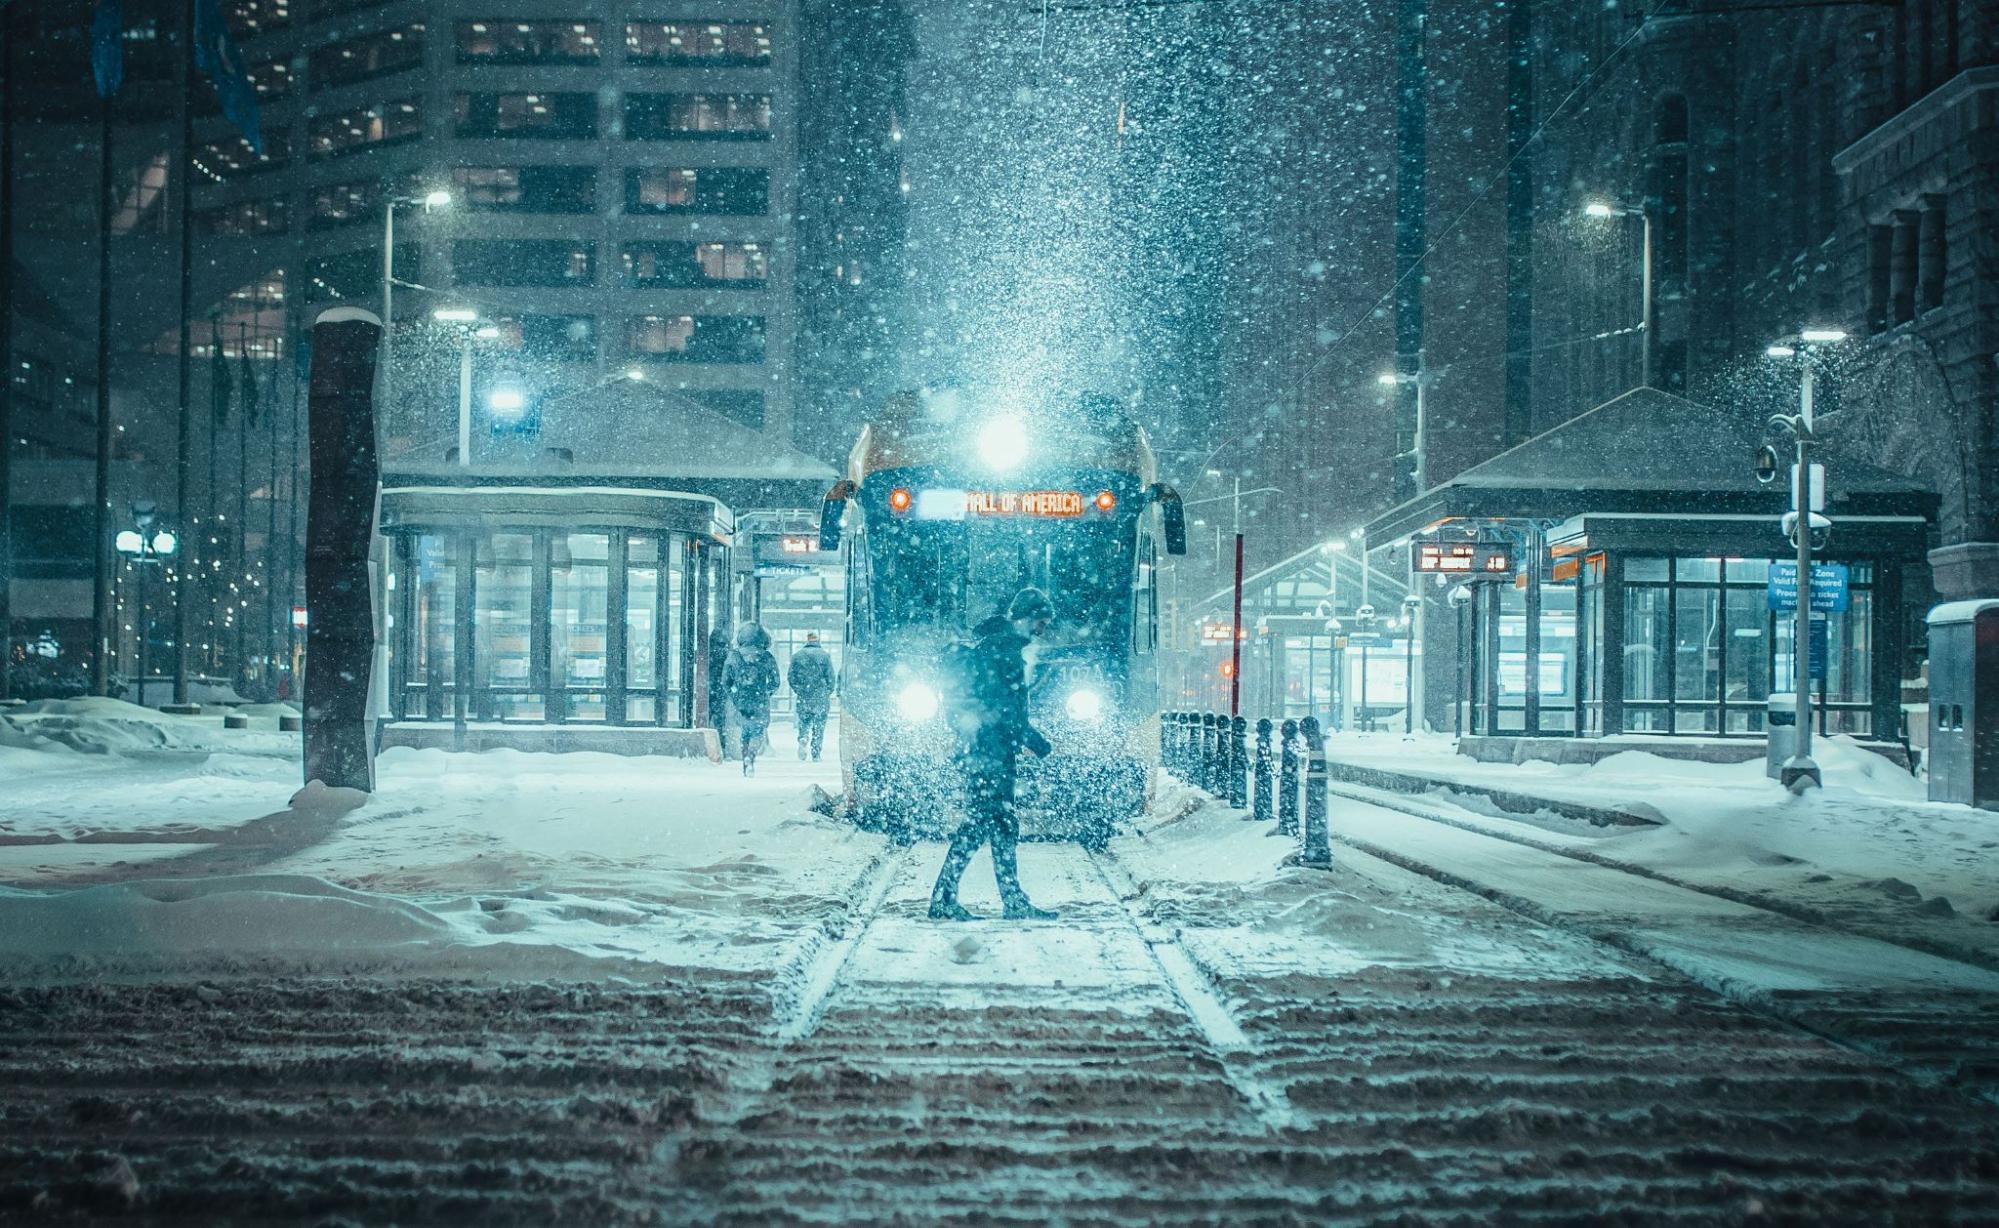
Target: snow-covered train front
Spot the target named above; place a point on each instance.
(952, 503)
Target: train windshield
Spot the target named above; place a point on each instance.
(951, 575)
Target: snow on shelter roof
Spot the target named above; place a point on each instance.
(631, 428)
(1684, 454)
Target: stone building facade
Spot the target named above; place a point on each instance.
(1826, 164)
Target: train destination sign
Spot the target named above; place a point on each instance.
(1465, 558)
(1057, 503)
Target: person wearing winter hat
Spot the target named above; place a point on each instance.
(993, 729)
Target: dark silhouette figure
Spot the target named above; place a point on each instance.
(718, 691)
(991, 719)
(750, 678)
(811, 679)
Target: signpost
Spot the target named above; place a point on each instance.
(1487, 558)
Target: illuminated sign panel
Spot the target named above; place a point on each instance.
(1058, 503)
(1464, 558)
(799, 544)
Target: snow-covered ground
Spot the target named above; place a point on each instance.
(1868, 844)
(133, 843)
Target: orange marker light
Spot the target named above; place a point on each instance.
(899, 500)
(1106, 501)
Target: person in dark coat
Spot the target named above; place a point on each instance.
(811, 679)
(750, 678)
(992, 725)
(718, 693)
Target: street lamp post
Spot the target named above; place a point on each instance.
(1800, 771)
(1610, 209)
(470, 328)
(430, 200)
(145, 543)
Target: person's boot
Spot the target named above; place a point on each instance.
(944, 905)
(1020, 908)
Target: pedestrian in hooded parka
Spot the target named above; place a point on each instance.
(811, 679)
(991, 721)
(719, 649)
(750, 678)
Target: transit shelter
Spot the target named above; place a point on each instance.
(1651, 593)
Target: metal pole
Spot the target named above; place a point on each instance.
(101, 616)
(465, 402)
(1800, 771)
(184, 444)
(240, 602)
(145, 628)
(7, 41)
(1409, 678)
(388, 299)
(1235, 635)
(1645, 308)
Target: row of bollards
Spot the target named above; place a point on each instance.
(1211, 752)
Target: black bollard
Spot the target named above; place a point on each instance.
(1318, 850)
(1218, 756)
(1260, 806)
(1204, 731)
(1287, 780)
(1166, 740)
(1238, 762)
(1183, 734)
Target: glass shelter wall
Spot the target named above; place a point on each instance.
(583, 626)
(1687, 646)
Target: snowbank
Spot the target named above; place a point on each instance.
(504, 862)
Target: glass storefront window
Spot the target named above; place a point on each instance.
(579, 599)
(434, 630)
(1696, 657)
(503, 621)
(1647, 650)
(642, 639)
(1558, 657)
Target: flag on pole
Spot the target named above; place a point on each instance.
(216, 54)
(218, 383)
(107, 47)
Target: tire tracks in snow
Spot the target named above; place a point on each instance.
(1844, 1019)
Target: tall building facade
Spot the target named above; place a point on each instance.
(621, 183)
(1833, 165)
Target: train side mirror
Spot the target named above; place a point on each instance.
(832, 512)
(1172, 514)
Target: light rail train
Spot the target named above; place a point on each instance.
(951, 505)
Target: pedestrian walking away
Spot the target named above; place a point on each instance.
(989, 714)
(719, 649)
(811, 679)
(750, 679)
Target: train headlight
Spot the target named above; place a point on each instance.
(1085, 705)
(917, 702)
(1003, 442)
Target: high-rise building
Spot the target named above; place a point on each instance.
(620, 188)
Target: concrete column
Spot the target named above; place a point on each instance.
(1880, 255)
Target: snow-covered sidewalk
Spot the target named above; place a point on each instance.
(1868, 846)
(196, 851)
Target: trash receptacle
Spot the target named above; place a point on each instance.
(1964, 703)
(1780, 722)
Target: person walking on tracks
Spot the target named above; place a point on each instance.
(990, 716)
(750, 678)
(811, 679)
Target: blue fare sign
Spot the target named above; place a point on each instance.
(1829, 588)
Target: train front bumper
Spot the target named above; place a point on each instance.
(1067, 796)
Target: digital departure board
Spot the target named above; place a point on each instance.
(1493, 559)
